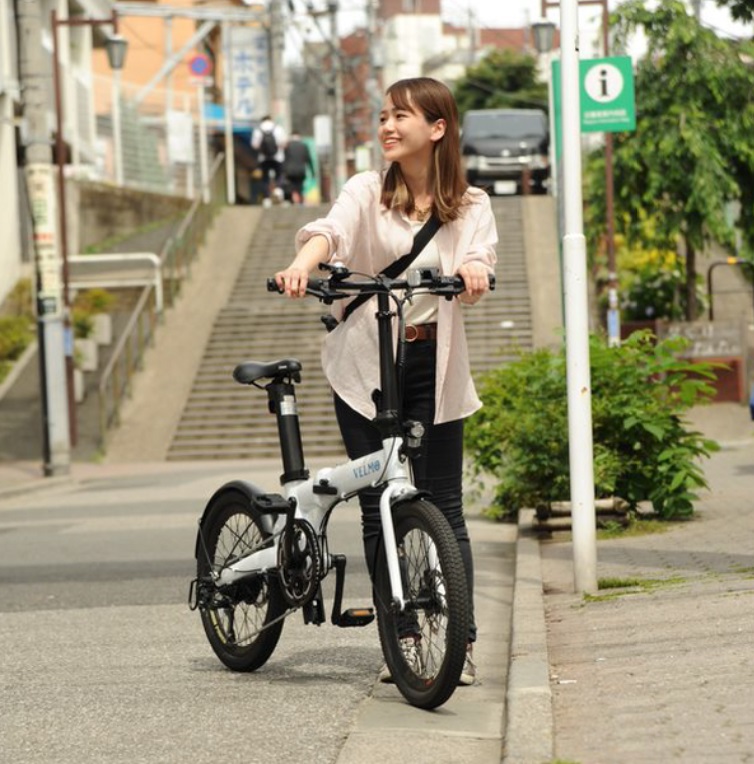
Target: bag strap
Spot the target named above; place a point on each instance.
(422, 238)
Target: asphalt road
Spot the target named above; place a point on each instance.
(103, 661)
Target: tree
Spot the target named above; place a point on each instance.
(691, 153)
(502, 79)
(741, 10)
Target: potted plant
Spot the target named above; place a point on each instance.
(84, 344)
(97, 303)
(79, 386)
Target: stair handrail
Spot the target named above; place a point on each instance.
(175, 264)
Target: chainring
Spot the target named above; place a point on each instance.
(299, 563)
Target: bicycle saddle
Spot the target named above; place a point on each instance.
(251, 371)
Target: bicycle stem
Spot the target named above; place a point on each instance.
(387, 419)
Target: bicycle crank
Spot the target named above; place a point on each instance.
(299, 563)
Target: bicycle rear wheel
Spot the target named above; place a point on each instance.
(424, 646)
(239, 620)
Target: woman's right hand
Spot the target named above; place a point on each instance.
(292, 281)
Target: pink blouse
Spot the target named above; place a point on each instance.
(366, 237)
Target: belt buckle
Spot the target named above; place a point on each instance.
(412, 333)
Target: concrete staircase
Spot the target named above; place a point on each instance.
(224, 420)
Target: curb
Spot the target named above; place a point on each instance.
(33, 486)
(530, 726)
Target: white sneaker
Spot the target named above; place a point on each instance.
(411, 654)
(468, 672)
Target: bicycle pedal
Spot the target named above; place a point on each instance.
(356, 616)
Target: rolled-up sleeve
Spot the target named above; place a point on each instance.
(484, 239)
(342, 224)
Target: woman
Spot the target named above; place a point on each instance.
(372, 224)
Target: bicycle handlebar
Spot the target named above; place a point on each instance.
(339, 284)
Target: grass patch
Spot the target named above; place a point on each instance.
(636, 526)
(630, 586)
(742, 570)
(106, 245)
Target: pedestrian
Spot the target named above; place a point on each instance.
(296, 160)
(268, 140)
(372, 224)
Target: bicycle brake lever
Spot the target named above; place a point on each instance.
(338, 272)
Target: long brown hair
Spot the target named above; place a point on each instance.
(447, 183)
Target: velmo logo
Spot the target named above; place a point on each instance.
(368, 468)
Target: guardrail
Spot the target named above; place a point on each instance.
(175, 260)
(124, 274)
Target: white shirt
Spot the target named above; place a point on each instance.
(366, 237)
(266, 126)
(423, 307)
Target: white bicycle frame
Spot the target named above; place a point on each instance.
(315, 496)
(384, 467)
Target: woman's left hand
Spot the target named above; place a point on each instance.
(476, 278)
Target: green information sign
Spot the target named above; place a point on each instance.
(607, 95)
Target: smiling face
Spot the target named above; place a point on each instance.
(404, 133)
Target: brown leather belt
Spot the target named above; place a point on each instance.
(421, 332)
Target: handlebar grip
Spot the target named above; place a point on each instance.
(272, 286)
(492, 281)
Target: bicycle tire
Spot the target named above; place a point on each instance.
(438, 607)
(239, 621)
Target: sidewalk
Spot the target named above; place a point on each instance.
(659, 667)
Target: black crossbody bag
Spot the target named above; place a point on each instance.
(422, 238)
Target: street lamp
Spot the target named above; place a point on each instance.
(544, 35)
(116, 46)
(544, 38)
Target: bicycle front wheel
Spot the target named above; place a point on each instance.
(243, 621)
(425, 644)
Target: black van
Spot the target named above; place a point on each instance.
(504, 148)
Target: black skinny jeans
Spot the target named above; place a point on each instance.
(439, 468)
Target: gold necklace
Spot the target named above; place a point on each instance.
(422, 212)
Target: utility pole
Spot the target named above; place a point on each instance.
(338, 122)
(472, 37)
(374, 90)
(278, 96)
(580, 437)
(613, 312)
(51, 332)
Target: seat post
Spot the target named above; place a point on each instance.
(281, 395)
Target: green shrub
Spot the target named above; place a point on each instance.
(95, 300)
(643, 451)
(16, 332)
(16, 325)
(82, 323)
(20, 300)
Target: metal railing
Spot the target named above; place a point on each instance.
(176, 257)
(124, 272)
